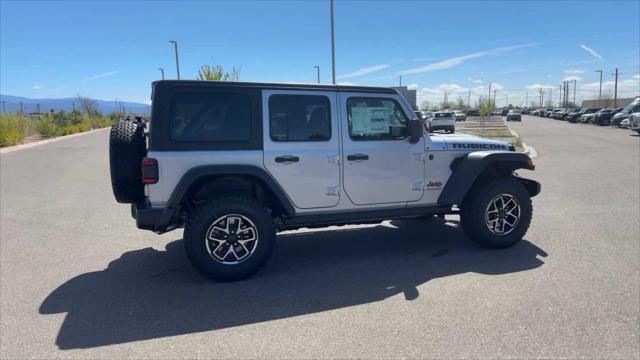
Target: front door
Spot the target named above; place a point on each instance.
(380, 165)
(301, 145)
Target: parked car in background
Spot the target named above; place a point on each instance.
(441, 120)
(587, 118)
(634, 107)
(548, 112)
(473, 112)
(514, 115)
(603, 117)
(573, 118)
(460, 116)
(555, 113)
(538, 112)
(634, 122)
(574, 114)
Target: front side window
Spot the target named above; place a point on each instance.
(299, 118)
(211, 117)
(376, 119)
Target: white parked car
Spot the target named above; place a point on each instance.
(441, 120)
(634, 122)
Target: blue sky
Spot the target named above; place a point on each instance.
(112, 49)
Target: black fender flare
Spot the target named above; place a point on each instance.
(468, 168)
(198, 172)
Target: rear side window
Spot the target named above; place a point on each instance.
(211, 117)
(443, 115)
(299, 118)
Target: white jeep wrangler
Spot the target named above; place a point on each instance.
(234, 162)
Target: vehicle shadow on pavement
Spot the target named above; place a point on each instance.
(147, 294)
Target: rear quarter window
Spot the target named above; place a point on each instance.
(210, 117)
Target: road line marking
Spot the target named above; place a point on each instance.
(9, 149)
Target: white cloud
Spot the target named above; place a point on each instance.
(455, 61)
(412, 86)
(364, 71)
(539, 86)
(572, 78)
(591, 51)
(574, 71)
(36, 87)
(98, 76)
(629, 87)
(636, 77)
(476, 81)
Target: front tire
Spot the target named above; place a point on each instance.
(497, 212)
(230, 238)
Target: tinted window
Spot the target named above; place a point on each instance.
(376, 119)
(211, 117)
(443, 115)
(299, 118)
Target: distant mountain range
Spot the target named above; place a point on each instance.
(12, 104)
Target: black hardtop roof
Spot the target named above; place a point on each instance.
(283, 86)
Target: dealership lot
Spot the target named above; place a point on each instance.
(78, 280)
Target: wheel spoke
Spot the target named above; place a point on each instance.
(231, 239)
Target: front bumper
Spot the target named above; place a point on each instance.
(158, 220)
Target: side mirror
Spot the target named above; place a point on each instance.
(415, 130)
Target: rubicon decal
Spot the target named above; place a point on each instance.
(480, 146)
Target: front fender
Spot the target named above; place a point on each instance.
(467, 169)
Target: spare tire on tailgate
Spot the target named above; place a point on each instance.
(127, 147)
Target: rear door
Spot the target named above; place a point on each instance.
(380, 165)
(301, 145)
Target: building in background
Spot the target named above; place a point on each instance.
(607, 103)
(410, 95)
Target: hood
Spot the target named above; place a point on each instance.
(620, 115)
(466, 142)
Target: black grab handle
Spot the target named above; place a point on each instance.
(287, 159)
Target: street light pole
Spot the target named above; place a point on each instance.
(333, 47)
(175, 47)
(162, 71)
(400, 80)
(600, 93)
(318, 72)
(575, 85)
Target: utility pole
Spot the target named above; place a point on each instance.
(575, 85)
(560, 96)
(400, 80)
(318, 72)
(600, 94)
(3, 109)
(494, 95)
(550, 97)
(21, 112)
(162, 71)
(175, 48)
(116, 105)
(615, 90)
(444, 101)
(469, 99)
(526, 99)
(73, 104)
(333, 47)
(507, 99)
(489, 90)
(38, 107)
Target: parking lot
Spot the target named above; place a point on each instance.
(78, 280)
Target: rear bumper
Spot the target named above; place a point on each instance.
(158, 220)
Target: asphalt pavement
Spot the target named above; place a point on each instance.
(78, 280)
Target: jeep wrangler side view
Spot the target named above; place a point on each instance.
(235, 162)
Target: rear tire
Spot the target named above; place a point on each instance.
(452, 130)
(497, 212)
(227, 254)
(127, 147)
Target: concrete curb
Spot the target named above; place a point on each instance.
(9, 149)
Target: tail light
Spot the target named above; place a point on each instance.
(149, 171)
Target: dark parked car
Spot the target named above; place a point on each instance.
(603, 117)
(514, 115)
(473, 112)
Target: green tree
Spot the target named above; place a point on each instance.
(217, 72)
(485, 106)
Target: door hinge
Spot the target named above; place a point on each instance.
(333, 191)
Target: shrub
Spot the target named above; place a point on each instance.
(13, 129)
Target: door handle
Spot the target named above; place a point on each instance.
(286, 159)
(357, 157)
